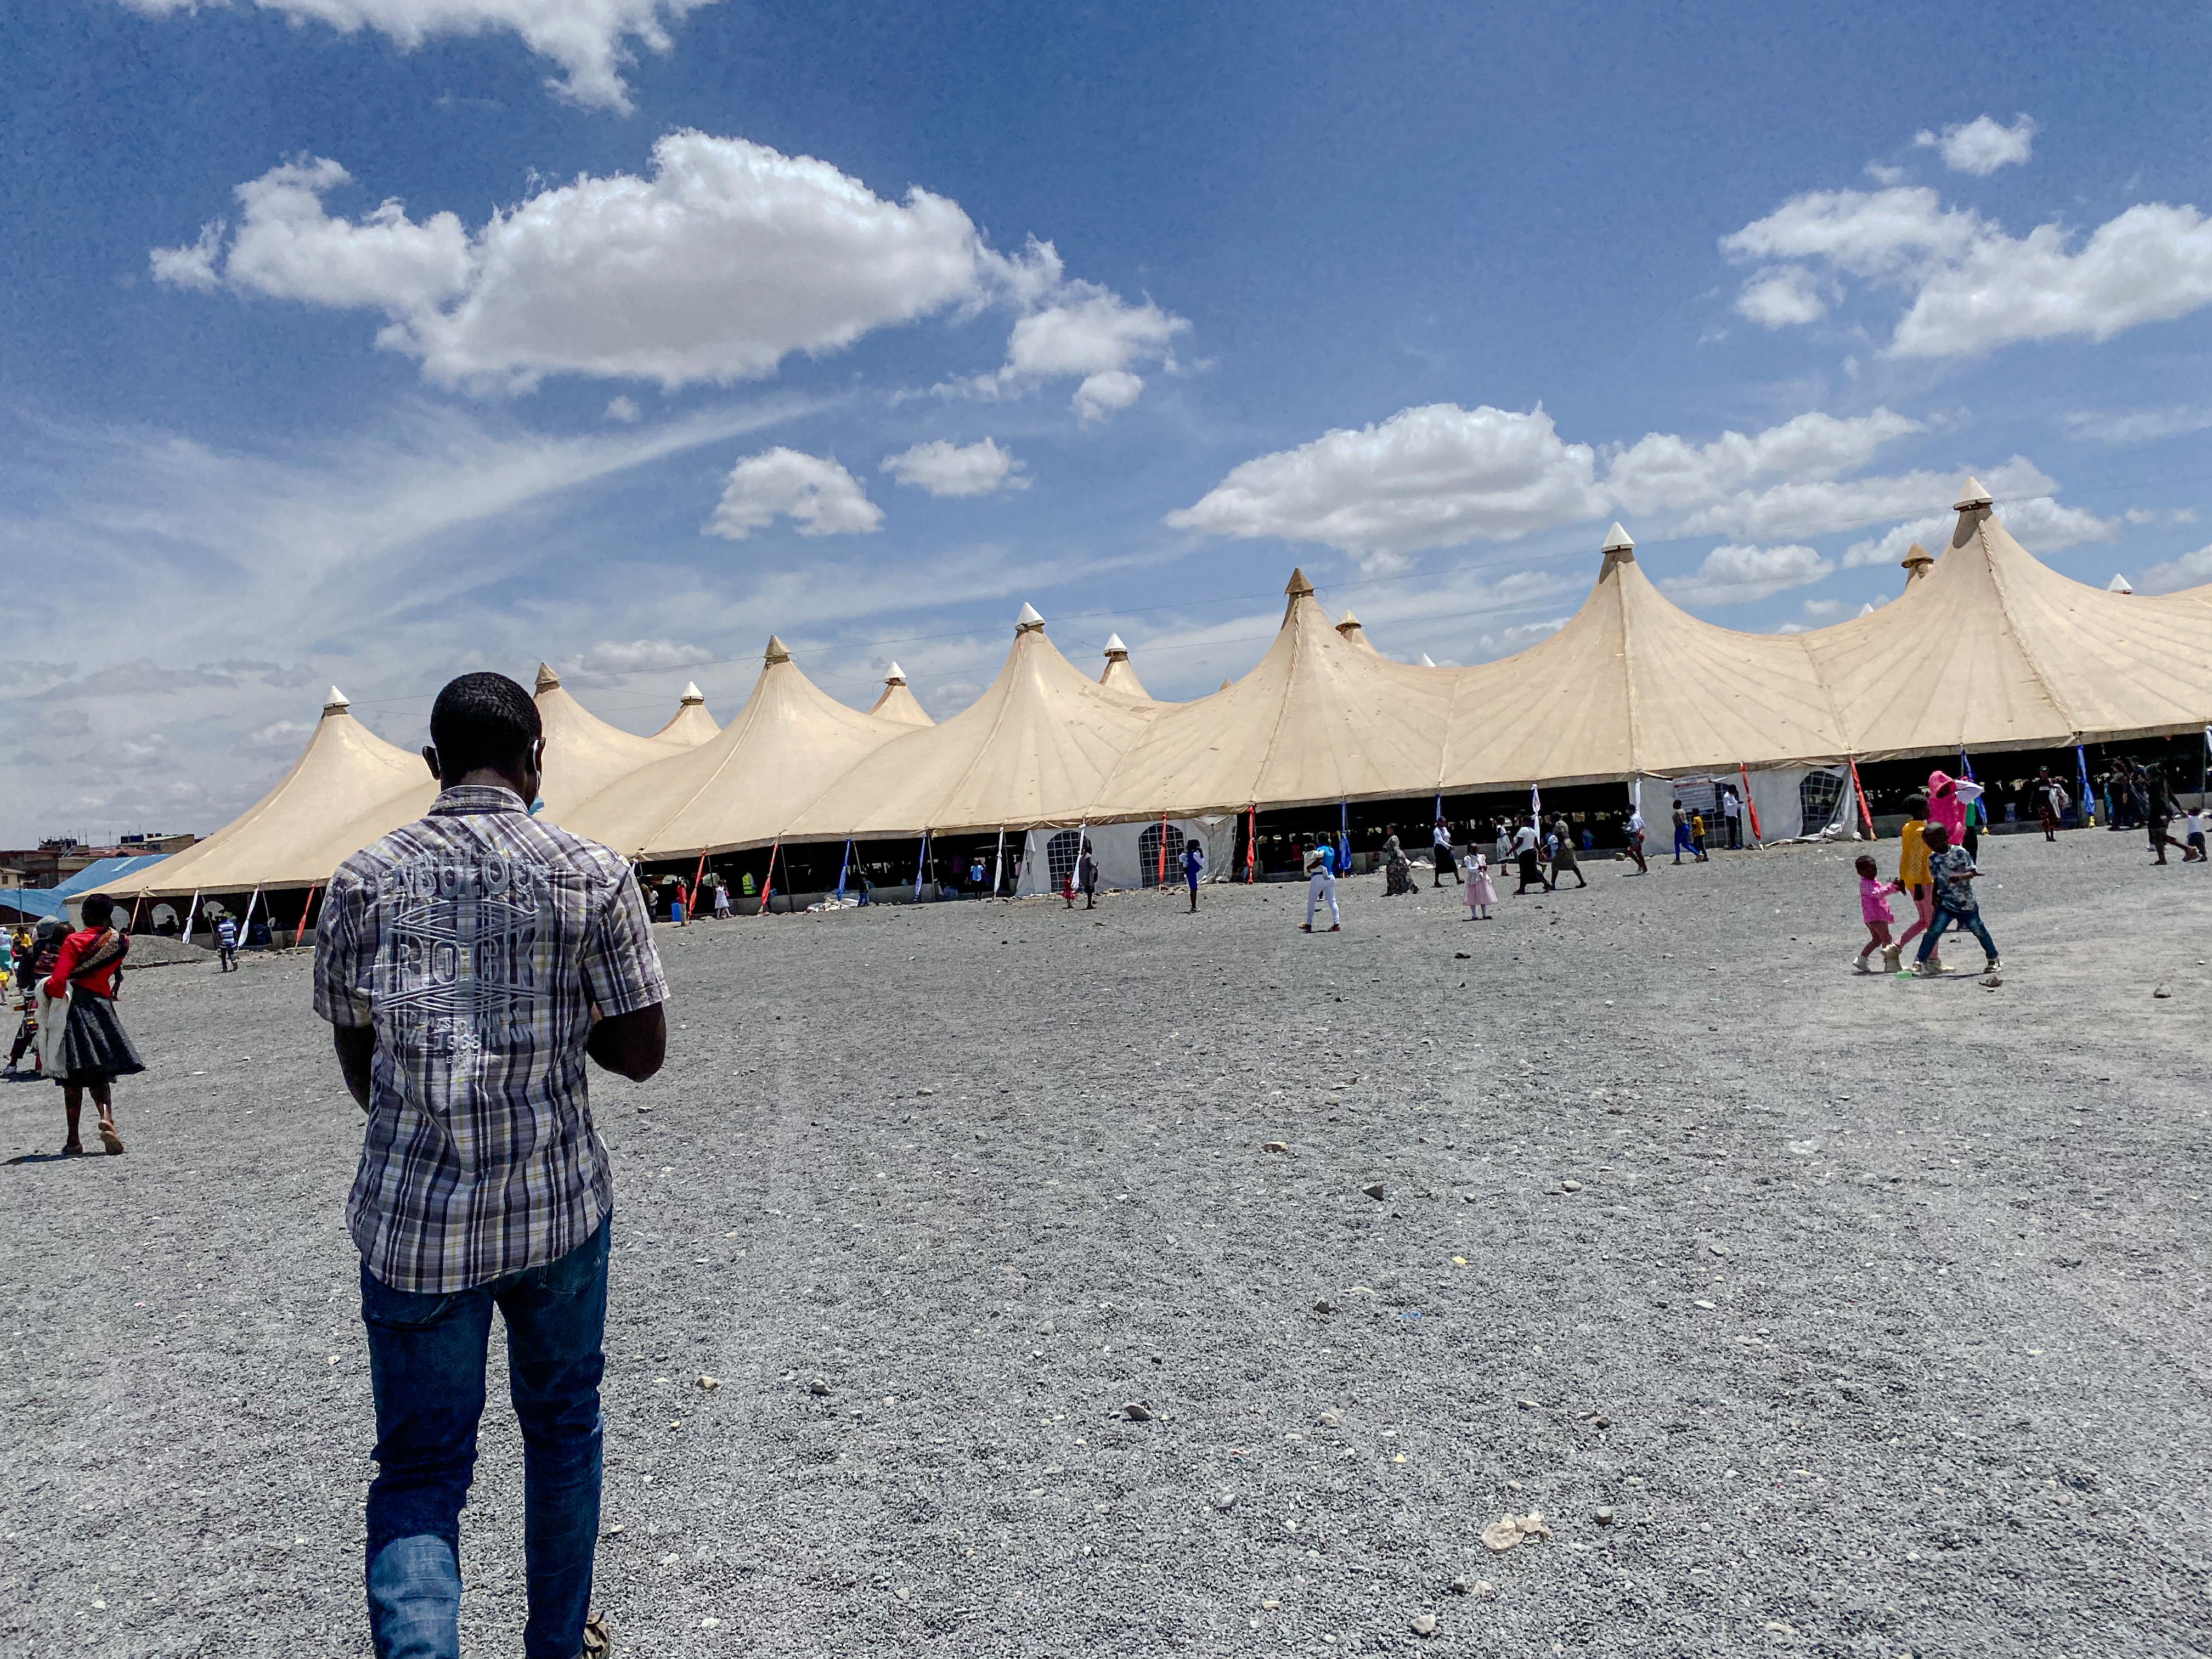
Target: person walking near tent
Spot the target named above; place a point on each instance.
(1912, 876)
(721, 899)
(679, 905)
(1321, 883)
(1563, 861)
(1440, 843)
(36, 956)
(1953, 869)
(1397, 869)
(2159, 814)
(1067, 887)
(1526, 849)
(1632, 828)
(2050, 802)
(1681, 832)
(1874, 910)
(483, 1184)
(1193, 866)
(1732, 810)
(84, 1044)
(1481, 892)
(1086, 877)
(1698, 836)
(226, 945)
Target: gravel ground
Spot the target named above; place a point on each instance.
(1815, 1314)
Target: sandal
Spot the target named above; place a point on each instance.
(112, 1140)
(599, 1640)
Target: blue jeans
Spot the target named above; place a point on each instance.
(1969, 919)
(426, 1356)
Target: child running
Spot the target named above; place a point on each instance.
(1913, 871)
(1873, 908)
(1481, 894)
(1953, 868)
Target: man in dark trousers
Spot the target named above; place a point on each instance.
(469, 964)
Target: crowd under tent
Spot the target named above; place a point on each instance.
(789, 742)
(1117, 674)
(1034, 749)
(897, 703)
(690, 725)
(347, 787)
(583, 753)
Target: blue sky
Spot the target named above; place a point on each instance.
(365, 341)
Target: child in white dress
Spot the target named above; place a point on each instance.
(1480, 895)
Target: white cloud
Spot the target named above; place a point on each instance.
(1432, 476)
(1736, 575)
(1078, 328)
(819, 494)
(1661, 470)
(612, 657)
(588, 38)
(1522, 636)
(2190, 570)
(1972, 287)
(727, 259)
(1782, 296)
(1981, 146)
(278, 740)
(943, 468)
(624, 409)
(2136, 426)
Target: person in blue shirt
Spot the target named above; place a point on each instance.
(1321, 883)
(1193, 862)
(226, 945)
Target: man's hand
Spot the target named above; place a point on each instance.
(356, 1047)
(632, 1044)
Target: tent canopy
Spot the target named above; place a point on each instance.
(346, 780)
(583, 753)
(1117, 674)
(690, 725)
(1033, 748)
(788, 742)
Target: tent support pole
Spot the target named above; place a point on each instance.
(921, 863)
(135, 904)
(998, 862)
(305, 909)
(1160, 876)
(2087, 812)
(1252, 844)
(192, 915)
(697, 876)
(246, 920)
(1750, 810)
(768, 881)
(1859, 792)
(843, 864)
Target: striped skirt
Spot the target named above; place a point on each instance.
(94, 1045)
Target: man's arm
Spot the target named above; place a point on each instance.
(356, 1047)
(633, 1044)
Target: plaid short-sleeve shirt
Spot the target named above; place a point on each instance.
(477, 942)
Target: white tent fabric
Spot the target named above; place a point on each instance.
(583, 753)
(1034, 749)
(789, 742)
(690, 725)
(1128, 853)
(898, 703)
(1803, 803)
(347, 787)
(1117, 674)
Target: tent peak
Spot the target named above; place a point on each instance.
(1916, 558)
(1427, 661)
(547, 679)
(1349, 621)
(1298, 585)
(2119, 584)
(897, 677)
(336, 703)
(1618, 542)
(776, 651)
(692, 693)
(1028, 620)
(1972, 495)
(1224, 682)
(1115, 648)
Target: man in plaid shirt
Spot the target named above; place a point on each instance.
(468, 964)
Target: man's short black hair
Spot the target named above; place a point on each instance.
(97, 908)
(483, 719)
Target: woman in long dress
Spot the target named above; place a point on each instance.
(1398, 870)
(91, 1049)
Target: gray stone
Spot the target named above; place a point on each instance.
(1424, 1623)
(1373, 1190)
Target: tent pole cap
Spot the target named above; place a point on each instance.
(1298, 585)
(776, 652)
(1971, 497)
(1028, 620)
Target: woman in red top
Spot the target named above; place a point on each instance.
(92, 1048)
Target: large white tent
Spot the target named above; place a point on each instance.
(1985, 648)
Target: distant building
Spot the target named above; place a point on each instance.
(54, 860)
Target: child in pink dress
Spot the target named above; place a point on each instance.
(1874, 908)
(1480, 895)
